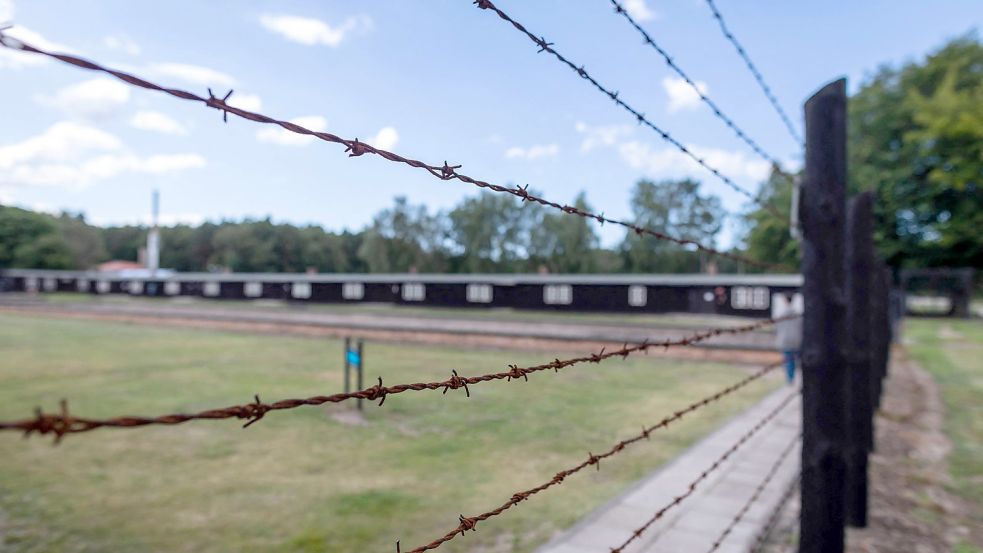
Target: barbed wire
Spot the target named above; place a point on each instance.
(63, 423)
(356, 148)
(757, 493)
(637, 533)
(470, 523)
(671, 63)
(759, 540)
(757, 74)
(545, 46)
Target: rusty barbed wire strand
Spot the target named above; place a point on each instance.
(757, 74)
(63, 423)
(356, 148)
(545, 46)
(759, 540)
(637, 533)
(671, 63)
(470, 523)
(757, 493)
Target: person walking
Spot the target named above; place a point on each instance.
(788, 331)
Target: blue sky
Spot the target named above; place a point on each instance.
(434, 80)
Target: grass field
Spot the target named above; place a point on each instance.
(303, 480)
(953, 352)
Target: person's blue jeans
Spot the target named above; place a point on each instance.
(790, 356)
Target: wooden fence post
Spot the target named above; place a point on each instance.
(862, 272)
(822, 210)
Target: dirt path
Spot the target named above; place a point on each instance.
(910, 509)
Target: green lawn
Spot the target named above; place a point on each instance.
(952, 351)
(302, 480)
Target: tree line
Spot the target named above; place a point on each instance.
(488, 232)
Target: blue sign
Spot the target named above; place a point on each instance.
(354, 358)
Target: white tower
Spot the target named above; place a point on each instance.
(153, 238)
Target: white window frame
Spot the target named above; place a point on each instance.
(638, 295)
(750, 297)
(252, 289)
(50, 285)
(82, 285)
(135, 287)
(300, 290)
(31, 284)
(172, 288)
(103, 286)
(480, 293)
(557, 294)
(413, 291)
(352, 290)
(211, 288)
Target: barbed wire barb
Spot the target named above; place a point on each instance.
(469, 523)
(639, 116)
(356, 148)
(754, 71)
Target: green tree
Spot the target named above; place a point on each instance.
(85, 243)
(564, 243)
(32, 241)
(916, 139)
(404, 238)
(490, 232)
(675, 208)
(768, 238)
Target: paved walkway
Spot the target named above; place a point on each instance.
(696, 523)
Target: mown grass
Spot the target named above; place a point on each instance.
(952, 350)
(303, 480)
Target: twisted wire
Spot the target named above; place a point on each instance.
(757, 74)
(757, 493)
(470, 523)
(63, 423)
(545, 46)
(671, 63)
(356, 148)
(637, 533)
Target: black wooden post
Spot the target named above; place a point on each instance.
(822, 214)
(348, 348)
(861, 273)
(361, 370)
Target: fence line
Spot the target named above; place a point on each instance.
(545, 46)
(637, 533)
(757, 74)
(357, 148)
(64, 423)
(618, 8)
(469, 523)
(765, 531)
(757, 492)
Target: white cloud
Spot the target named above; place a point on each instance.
(13, 59)
(532, 152)
(122, 43)
(681, 94)
(63, 141)
(639, 10)
(283, 137)
(248, 102)
(310, 32)
(60, 157)
(672, 163)
(6, 11)
(604, 135)
(385, 139)
(157, 122)
(194, 74)
(97, 98)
